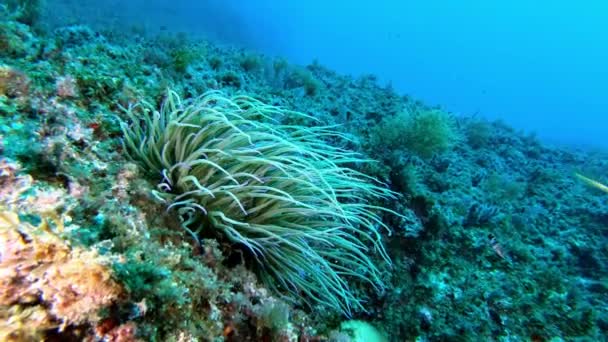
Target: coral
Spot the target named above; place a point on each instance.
(46, 284)
(279, 191)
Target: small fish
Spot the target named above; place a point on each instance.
(497, 247)
(592, 182)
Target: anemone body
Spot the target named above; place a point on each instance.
(282, 191)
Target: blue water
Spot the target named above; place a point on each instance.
(539, 65)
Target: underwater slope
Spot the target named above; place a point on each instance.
(493, 237)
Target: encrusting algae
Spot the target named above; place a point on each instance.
(45, 283)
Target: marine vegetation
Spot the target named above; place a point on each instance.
(280, 191)
(155, 231)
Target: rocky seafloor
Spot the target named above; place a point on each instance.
(496, 238)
